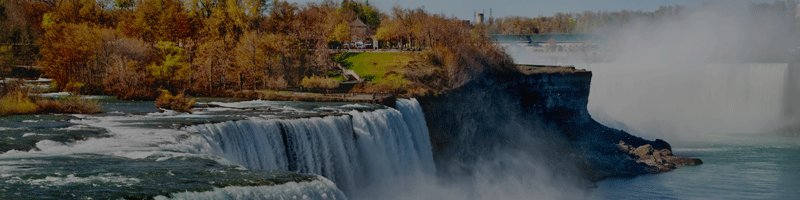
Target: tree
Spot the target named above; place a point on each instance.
(159, 20)
(341, 33)
(66, 50)
(258, 57)
(172, 70)
(282, 18)
(209, 64)
(364, 11)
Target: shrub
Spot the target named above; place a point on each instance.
(16, 102)
(278, 83)
(321, 83)
(393, 83)
(178, 103)
(71, 104)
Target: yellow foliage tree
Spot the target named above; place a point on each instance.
(173, 71)
(341, 33)
(258, 57)
(66, 50)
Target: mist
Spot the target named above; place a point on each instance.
(717, 69)
(512, 157)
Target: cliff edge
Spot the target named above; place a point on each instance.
(543, 109)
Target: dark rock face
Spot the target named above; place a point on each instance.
(498, 110)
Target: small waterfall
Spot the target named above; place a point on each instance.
(352, 150)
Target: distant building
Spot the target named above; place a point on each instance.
(465, 23)
(358, 31)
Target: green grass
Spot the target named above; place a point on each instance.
(335, 76)
(373, 66)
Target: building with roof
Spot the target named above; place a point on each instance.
(359, 31)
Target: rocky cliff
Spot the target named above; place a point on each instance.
(541, 109)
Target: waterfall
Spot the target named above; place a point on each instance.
(688, 101)
(353, 150)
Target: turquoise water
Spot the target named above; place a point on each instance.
(735, 167)
(135, 151)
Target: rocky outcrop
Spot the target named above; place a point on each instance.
(520, 110)
(660, 160)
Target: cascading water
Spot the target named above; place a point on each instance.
(353, 150)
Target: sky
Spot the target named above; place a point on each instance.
(464, 9)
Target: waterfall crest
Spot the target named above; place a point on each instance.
(322, 189)
(352, 150)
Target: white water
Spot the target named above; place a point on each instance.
(688, 102)
(322, 189)
(355, 151)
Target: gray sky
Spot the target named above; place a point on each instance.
(464, 9)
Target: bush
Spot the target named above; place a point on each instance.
(178, 103)
(16, 102)
(393, 83)
(277, 84)
(321, 83)
(71, 104)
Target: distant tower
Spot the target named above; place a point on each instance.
(479, 18)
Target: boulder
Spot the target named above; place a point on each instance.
(624, 147)
(643, 150)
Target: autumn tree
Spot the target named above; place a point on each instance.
(7, 58)
(210, 63)
(391, 31)
(282, 18)
(363, 11)
(341, 32)
(258, 59)
(171, 71)
(159, 20)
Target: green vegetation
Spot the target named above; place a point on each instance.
(393, 83)
(16, 102)
(133, 49)
(373, 66)
(320, 83)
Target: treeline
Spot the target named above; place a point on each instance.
(132, 48)
(594, 22)
(135, 48)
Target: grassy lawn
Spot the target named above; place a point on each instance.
(373, 66)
